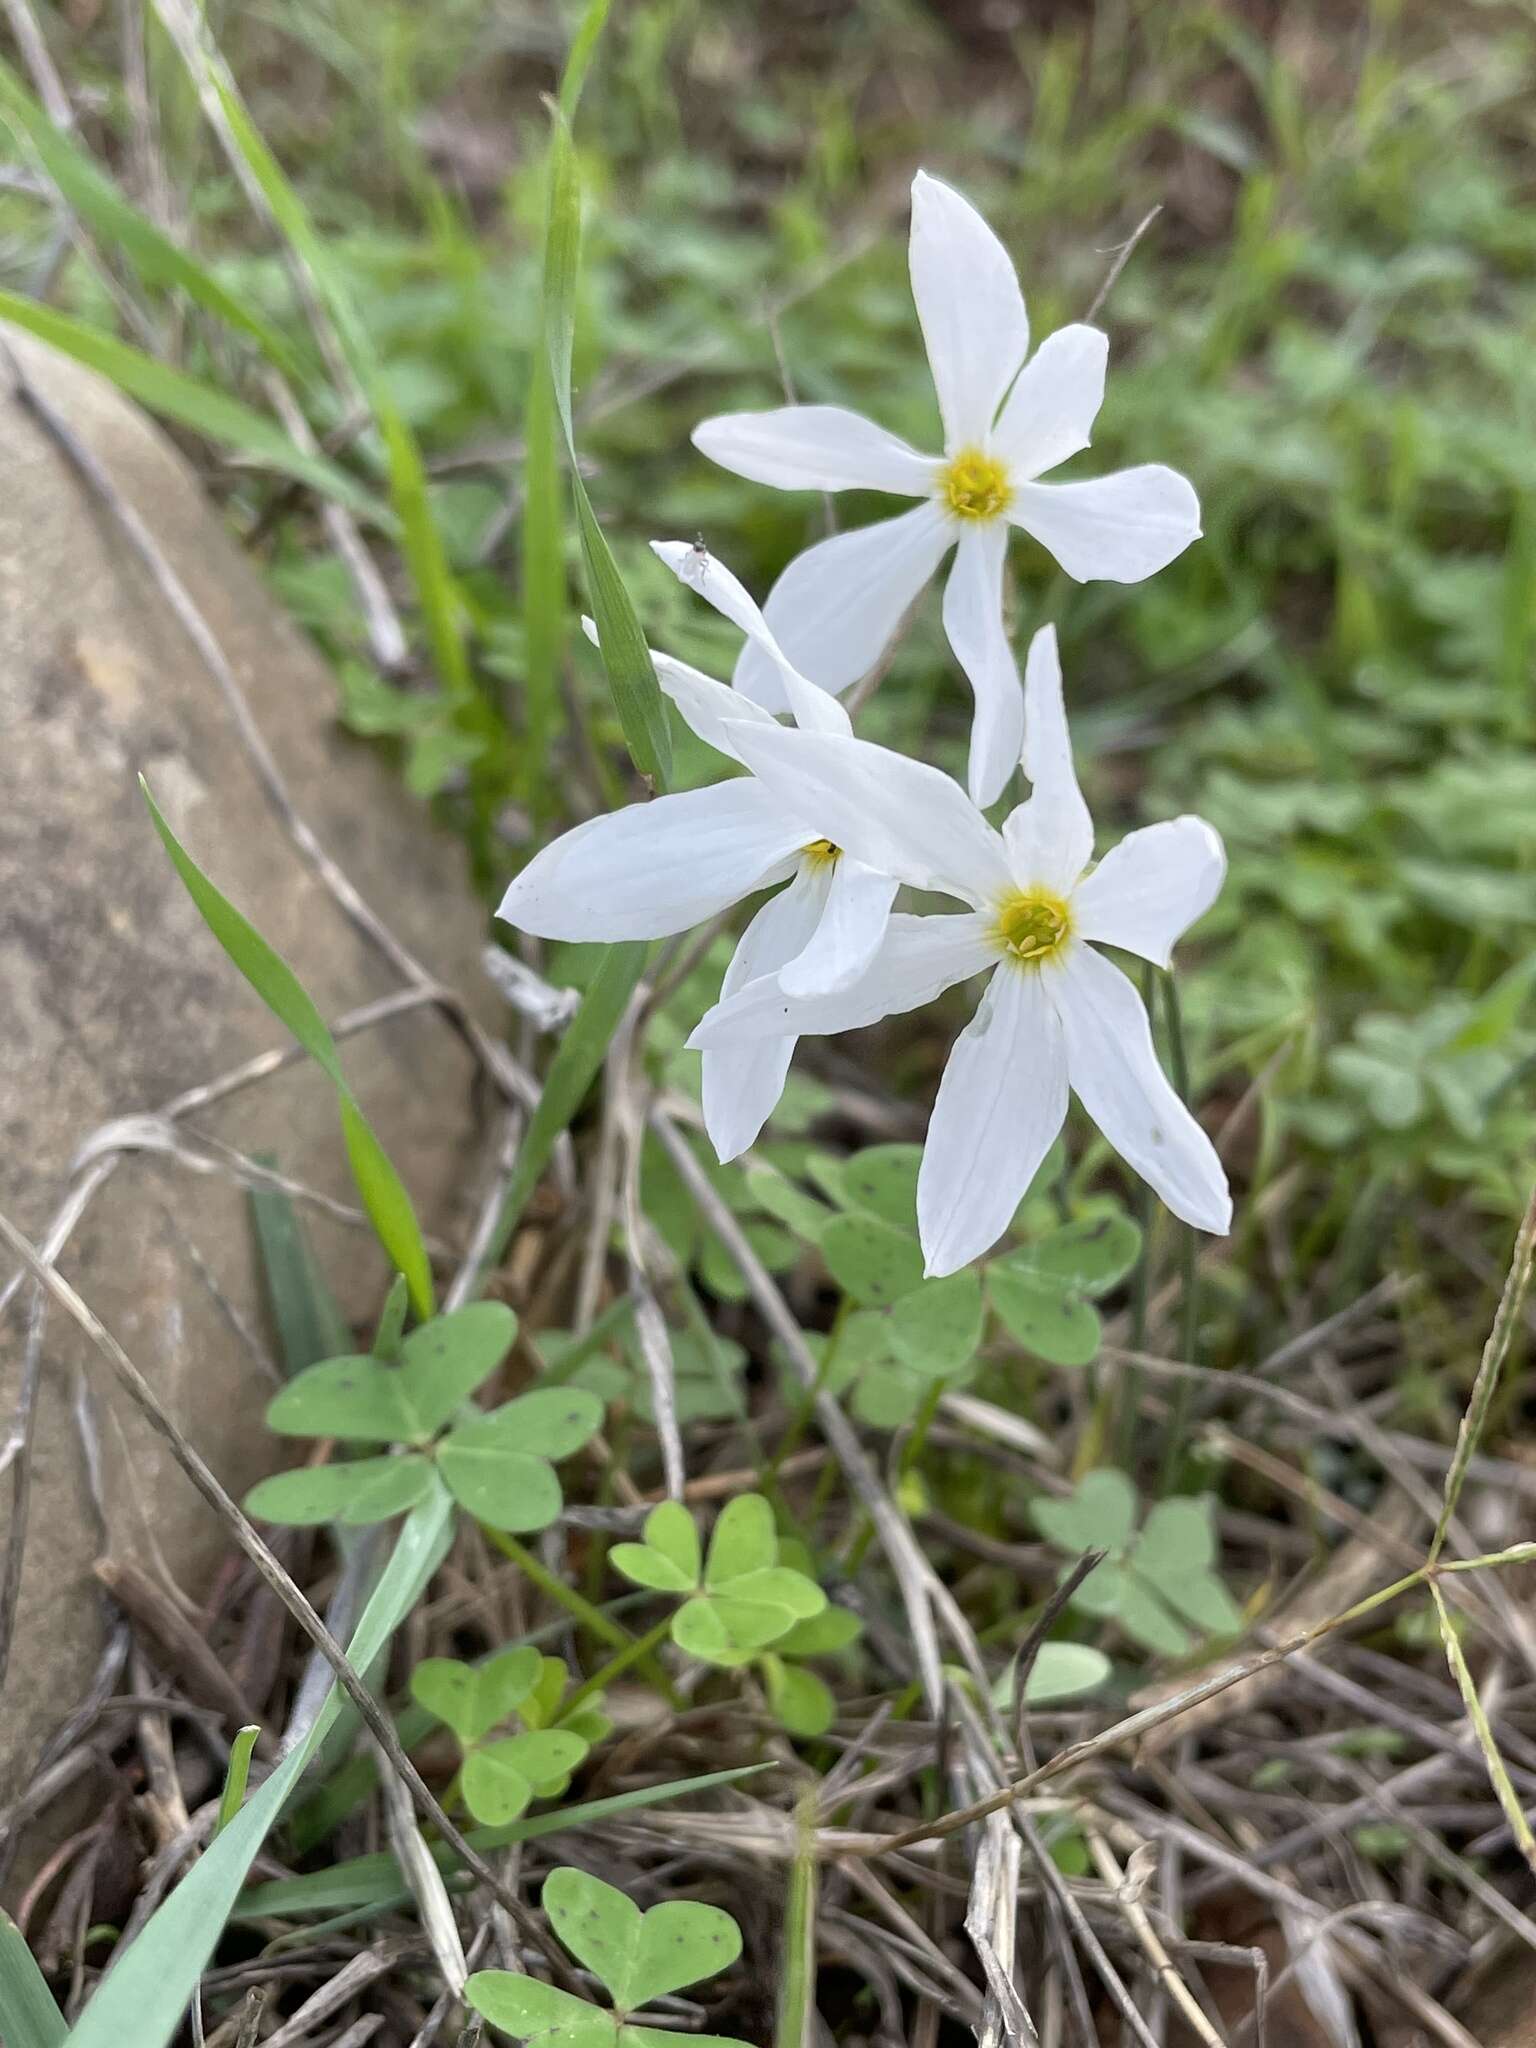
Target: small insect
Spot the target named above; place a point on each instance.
(699, 550)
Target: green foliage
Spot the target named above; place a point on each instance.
(1159, 1583)
(29, 2016)
(498, 1466)
(383, 1191)
(738, 1600)
(499, 1777)
(636, 1956)
(901, 1334)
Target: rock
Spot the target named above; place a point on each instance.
(116, 998)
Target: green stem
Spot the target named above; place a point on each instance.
(633, 1653)
(579, 1607)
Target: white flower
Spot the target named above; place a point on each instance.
(656, 868)
(1056, 1013)
(838, 605)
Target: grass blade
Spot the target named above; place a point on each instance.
(426, 558)
(29, 2017)
(237, 1776)
(370, 1881)
(144, 1996)
(122, 228)
(542, 581)
(796, 2026)
(175, 396)
(382, 1191)
(310, 1326)
(631, 676)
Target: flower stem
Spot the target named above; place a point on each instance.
(634, 1652)
(580, 1608)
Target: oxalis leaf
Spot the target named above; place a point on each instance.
(745, 1599)
(1043, 1314)
(501, 1778)
(362, 1399)
(498, 1465)
(472, 1699)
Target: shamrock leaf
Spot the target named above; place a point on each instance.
(936, 1329)
(802, 1703)
(1156, 1585)
(1091, 1254)
(359, 1491)
(1061, 1671)
(471, 1699)
(638, 1956)
(533, 2011)
(497, 1466)
(364, 1400)
(500, 1778)
(669, 1560)
(882, 1179)
(871, 1260)
(1046, 1317)
(741, 1598)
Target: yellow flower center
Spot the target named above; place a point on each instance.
(820, 853)
(975, 485)
(1032, 926)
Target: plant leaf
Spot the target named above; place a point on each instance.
(551, 1422)
(1091, 1254)
(1099, 1515)
(883, 1180)
(744, 1540)
(499, 1485)
(471, 1699)
(360, 1491)
(1057, 1326)
(29, 2014)
(873, 1261)
(383, 1192)
(531, 2010)
(936, 1329)
(176, 396)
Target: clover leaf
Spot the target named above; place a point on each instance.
(738, 1599)
(636, 1956)
(498, 1779)
(1042, 1292)
(1158, 1584)
(497, 1465)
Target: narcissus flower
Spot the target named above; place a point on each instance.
(1056, 1014)
(656, 868)
(1006, 423)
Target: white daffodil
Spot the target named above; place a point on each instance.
(1006, 422)
(656, 868)
(1056, 1014)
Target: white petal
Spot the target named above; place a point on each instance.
(970, 306)
(900, 817)
(743, 1083)
(918, 959)
(973, 620)
(719, 586)
(707, 707)
(1000, 1104)
(814, 448)
(658, 867)
(837, 606)
(1050, 836)
(1114, 1072)
(1119, 528)
(1147, 891)
(858, 905)
(1054, 401)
